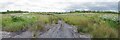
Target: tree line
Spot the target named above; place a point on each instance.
(19, 11)
(77, 11)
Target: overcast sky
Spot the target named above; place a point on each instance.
(58, 5)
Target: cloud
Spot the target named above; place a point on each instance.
(57, 5)
(94, 6)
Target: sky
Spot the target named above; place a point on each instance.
(58, 5)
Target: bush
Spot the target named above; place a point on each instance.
(16, 18)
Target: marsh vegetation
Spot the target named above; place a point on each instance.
(99, 25)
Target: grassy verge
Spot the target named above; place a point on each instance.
(15, 22)
(92, 24)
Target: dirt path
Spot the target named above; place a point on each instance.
(60, 30)
(63, 30)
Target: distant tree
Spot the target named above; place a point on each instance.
(7, 10)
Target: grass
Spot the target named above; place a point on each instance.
(92, 24)
(98, 25)
(15, 22)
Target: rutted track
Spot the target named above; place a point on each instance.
(63, 30)
(60, 30)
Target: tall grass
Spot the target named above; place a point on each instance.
(15, 23)
(92, 24)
